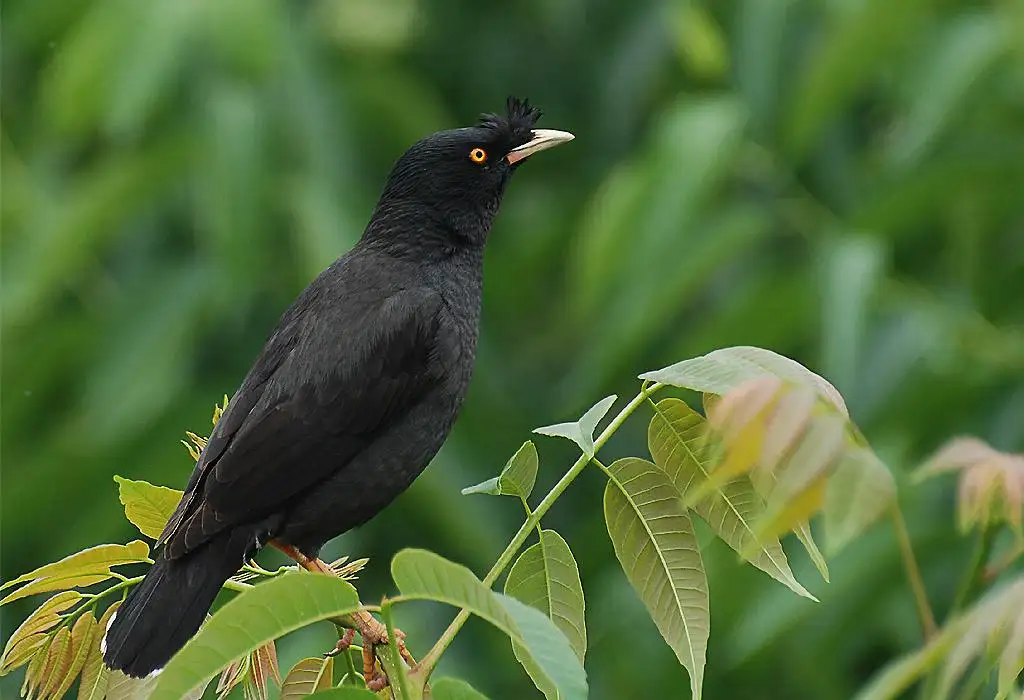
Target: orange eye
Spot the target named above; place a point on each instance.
(478, 155)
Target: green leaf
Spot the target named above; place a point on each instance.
(146, 506)
(678, 441)
(265, 612)
(516, 479)
(55, 583)
(656, 546)
(427, 576)
(582, 431)
(859, 491)
(307, 677)
(95, 674)
(121, 687)
(345, 693)
(94, 560)
(545, 576)
(722, 370)
(454, 689)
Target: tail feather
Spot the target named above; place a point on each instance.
(167, 608)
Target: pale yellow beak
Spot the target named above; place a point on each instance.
(543, 139)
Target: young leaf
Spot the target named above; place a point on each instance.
(722, 370)
(55, 583)
(655, 544)
(546, 577)
(58, 661)
(264, 670)
(34, 677)
(78, 649)
(516, 479)
(454, 689)
(307, 677)
(427, 576)
(991, 483)
(93, 560)
(95, 674)
(582, 431)
(678, 440)
(30, 636)
(146, 506)
(859, 491)
(253, 618)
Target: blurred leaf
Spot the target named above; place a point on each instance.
(308, 676)
(146, 506)
(428, 576)
(678, 441)
(95, 674)
(582, 431)
(859, 491)
(847, 56)
(94, 560)
(30, 637)
(516, 479)
(269, 610)
(699, 41)
(654, 542)
(721, 370)
(954, 64)
(991, 483)
(454, 689)
(545, 576)
(992, 626)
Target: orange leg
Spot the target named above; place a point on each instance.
(370, 629)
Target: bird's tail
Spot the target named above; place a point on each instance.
(163, 611)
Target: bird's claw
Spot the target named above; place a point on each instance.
(343, 644)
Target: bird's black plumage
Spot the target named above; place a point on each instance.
(352, 395)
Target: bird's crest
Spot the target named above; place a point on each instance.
(519, 121)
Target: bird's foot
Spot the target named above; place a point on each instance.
(343, 644)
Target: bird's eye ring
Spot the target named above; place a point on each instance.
(478, 155)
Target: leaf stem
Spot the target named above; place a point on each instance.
(427, 664)
(924, 608)
(975, 577)
(400, 679)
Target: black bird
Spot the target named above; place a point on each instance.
(353, 394)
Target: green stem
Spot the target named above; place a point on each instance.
(399, 676)
(974, 579)
(924, 608)
(427, 664)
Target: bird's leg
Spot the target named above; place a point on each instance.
(370, 629)
(343, 644)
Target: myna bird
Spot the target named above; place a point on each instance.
(351, 397)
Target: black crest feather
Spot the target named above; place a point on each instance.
(519, 121)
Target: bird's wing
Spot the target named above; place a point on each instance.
(311, 403)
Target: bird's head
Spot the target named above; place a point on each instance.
(456, 178)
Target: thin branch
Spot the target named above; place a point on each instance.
(924, 608)
(427, 664)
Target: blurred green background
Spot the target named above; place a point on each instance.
(841, 181)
